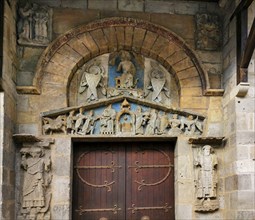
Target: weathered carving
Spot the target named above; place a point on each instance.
(192, 125)
(107, 121)
(92, 81)
(208, 32)
(37, 177)
(206, 180)
(125, 120)
(145, 217)
(122, 118)
(157, 84)
(34, 25)
(54, 125)
(175, 125)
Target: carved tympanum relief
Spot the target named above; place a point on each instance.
(205, 163)
(36, 196)
(123, 73)
(122, 118)
(34, 25)
(208, 32)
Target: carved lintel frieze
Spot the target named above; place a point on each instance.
(123, 118)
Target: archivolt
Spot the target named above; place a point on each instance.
(74, 48)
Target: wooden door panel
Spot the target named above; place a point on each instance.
(99, 182)
(150, 186)
(123, 181)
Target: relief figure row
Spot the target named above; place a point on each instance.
(138, 122)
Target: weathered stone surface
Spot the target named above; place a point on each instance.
(164, 7)
(180, 214)
(65, 19)
(120, 37)
(194, 102)
(89, 42)
(100, 4)
(74, 4)
(138, 39)
(181, 25)
(61, 211)
(130, 5)
(100, 40)
(61, 189)
(148, 42)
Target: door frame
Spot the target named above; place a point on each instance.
(105, 139)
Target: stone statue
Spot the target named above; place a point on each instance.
(70, 122)
(164, 123)
(128, 71)
(157, 86)
(141, 120)
(79, 120)
(89, 124)
(34, 24)
(192, 126)
(54, 125)
(175, 125)
(152, 125)
(206, 180)
(35, 200)
(92, 81)
(107, 121)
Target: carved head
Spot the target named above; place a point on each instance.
(145, 217)
(125, 55)
(36, 152)
(175, 116)
(206, 150)
(190, 117)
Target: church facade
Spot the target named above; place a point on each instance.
(127, 109)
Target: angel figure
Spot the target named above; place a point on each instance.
(91, 80)
(192, 126)
(157, 86)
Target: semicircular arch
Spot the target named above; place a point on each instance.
(74, 48)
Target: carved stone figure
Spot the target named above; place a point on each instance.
(34, 25)
(70, 122)
(92, 81)
(192, 126)
(128, 71)
(107, 121)
(89, 124)
(112, 92)
(79, 119)
(141, 120)
(54, 125)
(125, 119)
(208, 32)
(206, 181)
(157, 85)
(152, 125)
(35, 200)
(175, 125)
(164, 123)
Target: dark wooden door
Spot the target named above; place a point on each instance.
(121, 181)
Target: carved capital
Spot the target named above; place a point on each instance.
(240, 90)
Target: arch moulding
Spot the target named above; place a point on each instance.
(74, 48)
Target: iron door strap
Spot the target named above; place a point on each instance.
(137, 167)
(106, 184)
(115, 210)
(166, 208)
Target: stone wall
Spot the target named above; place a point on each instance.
(8, 114)
(238, 129)
(228, 116)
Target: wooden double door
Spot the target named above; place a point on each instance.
(123, 181)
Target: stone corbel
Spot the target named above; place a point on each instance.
(29, 139)
(217, 141)
(240, 90)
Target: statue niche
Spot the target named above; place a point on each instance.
(36, 180)
(206, 180)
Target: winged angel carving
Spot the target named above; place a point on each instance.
(92, 81)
